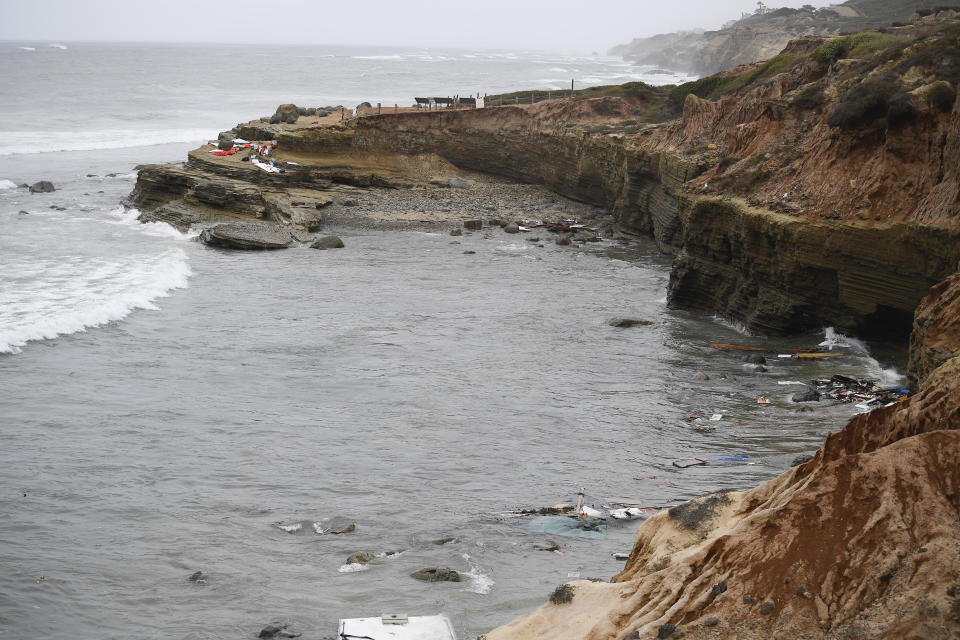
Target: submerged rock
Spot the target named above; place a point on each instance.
(456, 232)
(247, 235)
(629, 322)
(808, 395)
(438, 574)
(327, 242)
(511, 227)
(277, 630)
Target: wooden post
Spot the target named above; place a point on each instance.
(378, 108)
(396, 108)
(341, 113)
(571, 87)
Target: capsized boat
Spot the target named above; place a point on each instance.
(397, 626)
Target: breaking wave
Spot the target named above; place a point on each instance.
(25, 142)
(55, 296)
(479, 582)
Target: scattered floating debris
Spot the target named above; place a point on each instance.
(814, 356)
(734, 458)
(762, 400)
(719, 345)
(691, 462)
(865, 393)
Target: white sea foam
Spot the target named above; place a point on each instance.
(129, 217)
(57, 45)
(353, 567)
(479, 582)
(290, 528)
(27, 48)
(832, 339)
(51, 297)
(7, 184)
(377, 57)
(23, 142)
(736, 325)
(886, 377)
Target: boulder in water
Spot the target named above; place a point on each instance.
(629, 322)
(247, 235)
(44, 186)
(437, 574)
(277, 630)
(807, 395)
(511, 227)
(327, 242)
(360, 557)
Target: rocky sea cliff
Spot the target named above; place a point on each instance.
(818, 188)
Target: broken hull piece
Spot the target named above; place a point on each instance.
(397, 628)
(720, 345)
(632, 513)
(585, 528)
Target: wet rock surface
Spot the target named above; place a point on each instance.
(436, 574)
(327, 242)
(44, 186)
(247, 236)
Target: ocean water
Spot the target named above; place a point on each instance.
(167, 408)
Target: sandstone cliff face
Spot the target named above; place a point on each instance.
(759, 36)
(807, 244)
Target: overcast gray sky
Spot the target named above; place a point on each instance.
(542, 24)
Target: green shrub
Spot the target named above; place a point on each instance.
(855, 45)
(809, 98)
(942, 96)
(726, 162)
(863, 103)
(900, 109)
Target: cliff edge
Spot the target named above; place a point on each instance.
(763, 33)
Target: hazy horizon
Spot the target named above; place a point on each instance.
(497, 24)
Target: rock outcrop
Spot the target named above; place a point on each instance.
(286, 114)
